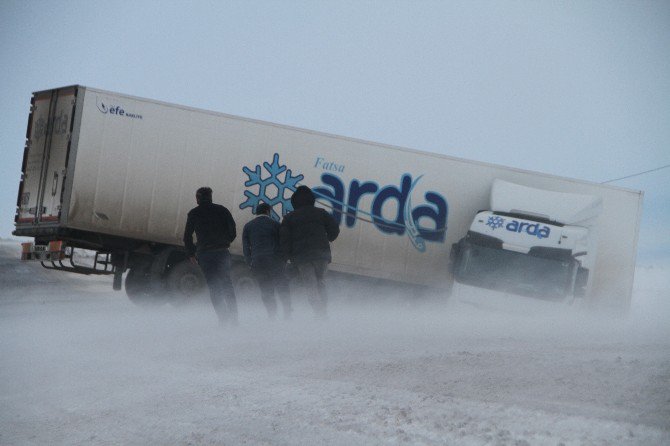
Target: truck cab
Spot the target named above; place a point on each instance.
(532, 242)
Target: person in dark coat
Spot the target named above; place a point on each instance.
(305, 237)
(260, 242)
(214, 228)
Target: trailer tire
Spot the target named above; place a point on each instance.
(139, 287)
(186, 284)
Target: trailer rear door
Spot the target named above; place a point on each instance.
(45, 157)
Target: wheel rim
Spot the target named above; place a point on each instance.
(189, 285)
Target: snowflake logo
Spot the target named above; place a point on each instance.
(495, 222)
(271, 189)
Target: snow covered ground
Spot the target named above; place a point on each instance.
(82, 365)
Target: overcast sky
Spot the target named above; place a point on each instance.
(578, 89)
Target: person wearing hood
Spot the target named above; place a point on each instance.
(305, 235)
(260, 243)
(214, 228)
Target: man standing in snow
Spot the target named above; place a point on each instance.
(305, 237)
(214, 228)
(260, 242)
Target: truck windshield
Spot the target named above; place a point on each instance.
(514, 272)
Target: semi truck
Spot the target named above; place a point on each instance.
(116, 175)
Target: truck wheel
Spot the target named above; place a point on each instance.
(139, 288)
(186, 284)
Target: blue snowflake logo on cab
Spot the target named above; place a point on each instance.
(495, 222)
(272, 189)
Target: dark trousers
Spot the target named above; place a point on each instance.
(269, 273)
(216, 266)
(313, 278)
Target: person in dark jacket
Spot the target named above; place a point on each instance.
(305, 237)
(214, 228)
(260, 242)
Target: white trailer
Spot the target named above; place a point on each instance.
(117, 174)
